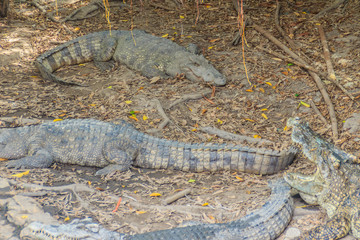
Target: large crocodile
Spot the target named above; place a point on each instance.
(152, 56)
(118, 146)
(335, 185)
(265, 223)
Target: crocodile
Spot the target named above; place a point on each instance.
(151, 55)
(111, 146)
(268, 222)
(335, 185)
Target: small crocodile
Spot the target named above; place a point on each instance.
(152, 56)
(112, 146)
(267, 222)
(335, 185)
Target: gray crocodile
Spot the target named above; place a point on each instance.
(152, 56)
(112, 146)
(267, 222)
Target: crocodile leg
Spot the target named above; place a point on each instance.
(104, 55)
(335, 228)
(41, 159)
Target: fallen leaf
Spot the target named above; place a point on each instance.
(19, 175)
(205, 204)
(145, 117)
(191, 180)
(304, 104)
(66, 219)
(264, 115)
(239, 178)
(3, 159)
(155, 194)
(140, 212)
(128, 102)
(57, 120)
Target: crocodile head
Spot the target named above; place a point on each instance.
(196, 68)
(313, 145)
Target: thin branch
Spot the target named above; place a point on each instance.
(232, 136)
(316, 77)
(280, 30)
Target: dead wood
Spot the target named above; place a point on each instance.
(315, 76)
(90, 10)
(330, 68)
(280, 30)
(316, 110)
(176, 196)
(191, 96)
(332, 6)
(162, 113)
(233, 136)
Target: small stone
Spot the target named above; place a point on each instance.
(4, 185)
(292, 232)
(353, 123)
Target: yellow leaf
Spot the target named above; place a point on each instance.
(205, 204)
(128, 102)
(182, 17)
(145, 117)
(34, 76)
(250, 120)
(165, 35)
(248, 192)
(239, 178)
(135, 191)
(76, 29)
(249, 90)
(109, 87)
(81, 64)
(219, 121)
(268, 83)
(3, 159)
(304, 104)
(262, 90)
(92, 105)
(264, 109)
(66, 219)
(203, 111)
(57, 120)
(24, 216)
(211, 217)
(194, 130)
(140, 212)
(264, 115)
(256, 136)
(211, 47)
(191, 180)
(89, 182)
(286, 128)
(19, 175)
(155, 194)
(190, 109)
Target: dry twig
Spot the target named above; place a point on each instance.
(176, 196)
(316, 77)
(191, 96)
(331, 73)
(313, 106)
(233, 136)
(281, 31)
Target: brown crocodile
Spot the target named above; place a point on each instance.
(335, 185)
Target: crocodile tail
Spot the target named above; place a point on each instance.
(160, 153)
(76, 51)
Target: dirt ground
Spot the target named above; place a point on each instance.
(261, 110)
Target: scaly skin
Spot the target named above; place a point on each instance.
(152, 56)
(335, 185)
(118, 146)
(265, 223)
